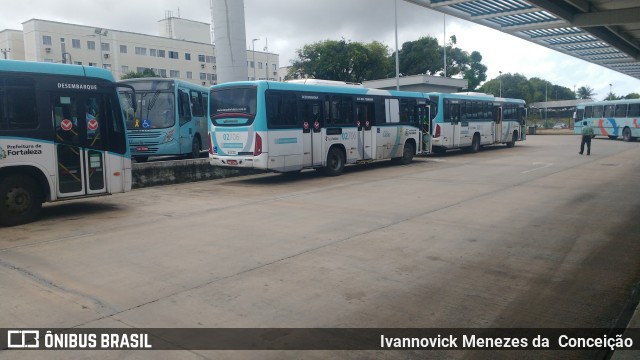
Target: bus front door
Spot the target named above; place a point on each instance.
(365, 115)
(451, 132)
(79, 143)
(498, 119)
(312, 133)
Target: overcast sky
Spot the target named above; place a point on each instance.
(290, 24)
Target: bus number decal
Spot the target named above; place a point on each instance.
(231, 137)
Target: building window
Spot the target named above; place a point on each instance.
(189, 75)
(162, 72)
(75, 43)
(93, 64)
(46, 40)
(105, 47)
(124, 69)
(91, 45)
(201, 58)
(252, 64)
(187, 56)
(210, 59)
(259, 64)
(78, 62)
(123, 49)
(174, 73)
(203, 76)
(153, 52)
(141, 50)
(173, 55)
(161, 53)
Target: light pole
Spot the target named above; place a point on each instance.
(266, 50)
(500, 77)
(610, 92)
(100, 32)
(397, 56)
(253, 54)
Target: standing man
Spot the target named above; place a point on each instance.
(587, 134)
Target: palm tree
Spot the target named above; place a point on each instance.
(585, 92)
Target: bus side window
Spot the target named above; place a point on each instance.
(184, 110)
(588, 112)
(196, 103)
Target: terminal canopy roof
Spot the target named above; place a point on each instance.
(603, 32)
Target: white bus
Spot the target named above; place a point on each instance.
(285, 127)
(62, 136)
(472, 120)
(612, 118)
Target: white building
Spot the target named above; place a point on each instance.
(182, 49)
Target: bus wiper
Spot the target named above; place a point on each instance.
(153, 100)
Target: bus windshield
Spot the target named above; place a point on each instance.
(233, 103)
(155, 110)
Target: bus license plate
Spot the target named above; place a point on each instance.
(232, 162)
(142, 148)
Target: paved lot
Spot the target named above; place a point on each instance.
(534, 236)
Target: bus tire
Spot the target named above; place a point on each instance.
(20, 200)
(407, 154)
(475, 144)
(195, 148)
(626, 134)
(335, 162)
(512, 143)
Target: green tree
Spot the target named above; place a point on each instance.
(477, 72)
(585, 92)
(135, 75)
(531, 90)
(425, 56)
(632, 96)
(342, 61)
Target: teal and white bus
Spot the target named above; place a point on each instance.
(62, 136)
(285, 127)
(613, 118)
(171, 118)
(472, 120)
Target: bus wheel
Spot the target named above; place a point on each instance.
(20, 200)
(407, 154)
(626, 134)
(195, 149)
(512, 143)
(475, 144)
(335, 162)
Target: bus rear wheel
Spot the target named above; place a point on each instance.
(335, 162)
(512, 143)
(20, 200)
(195, 148)
(626, 134)
(475, 144)
(407, 154)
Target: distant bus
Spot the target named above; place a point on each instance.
(613, 118)
(285, 127)
(171, 118)
(472, 120)
(62, 136)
